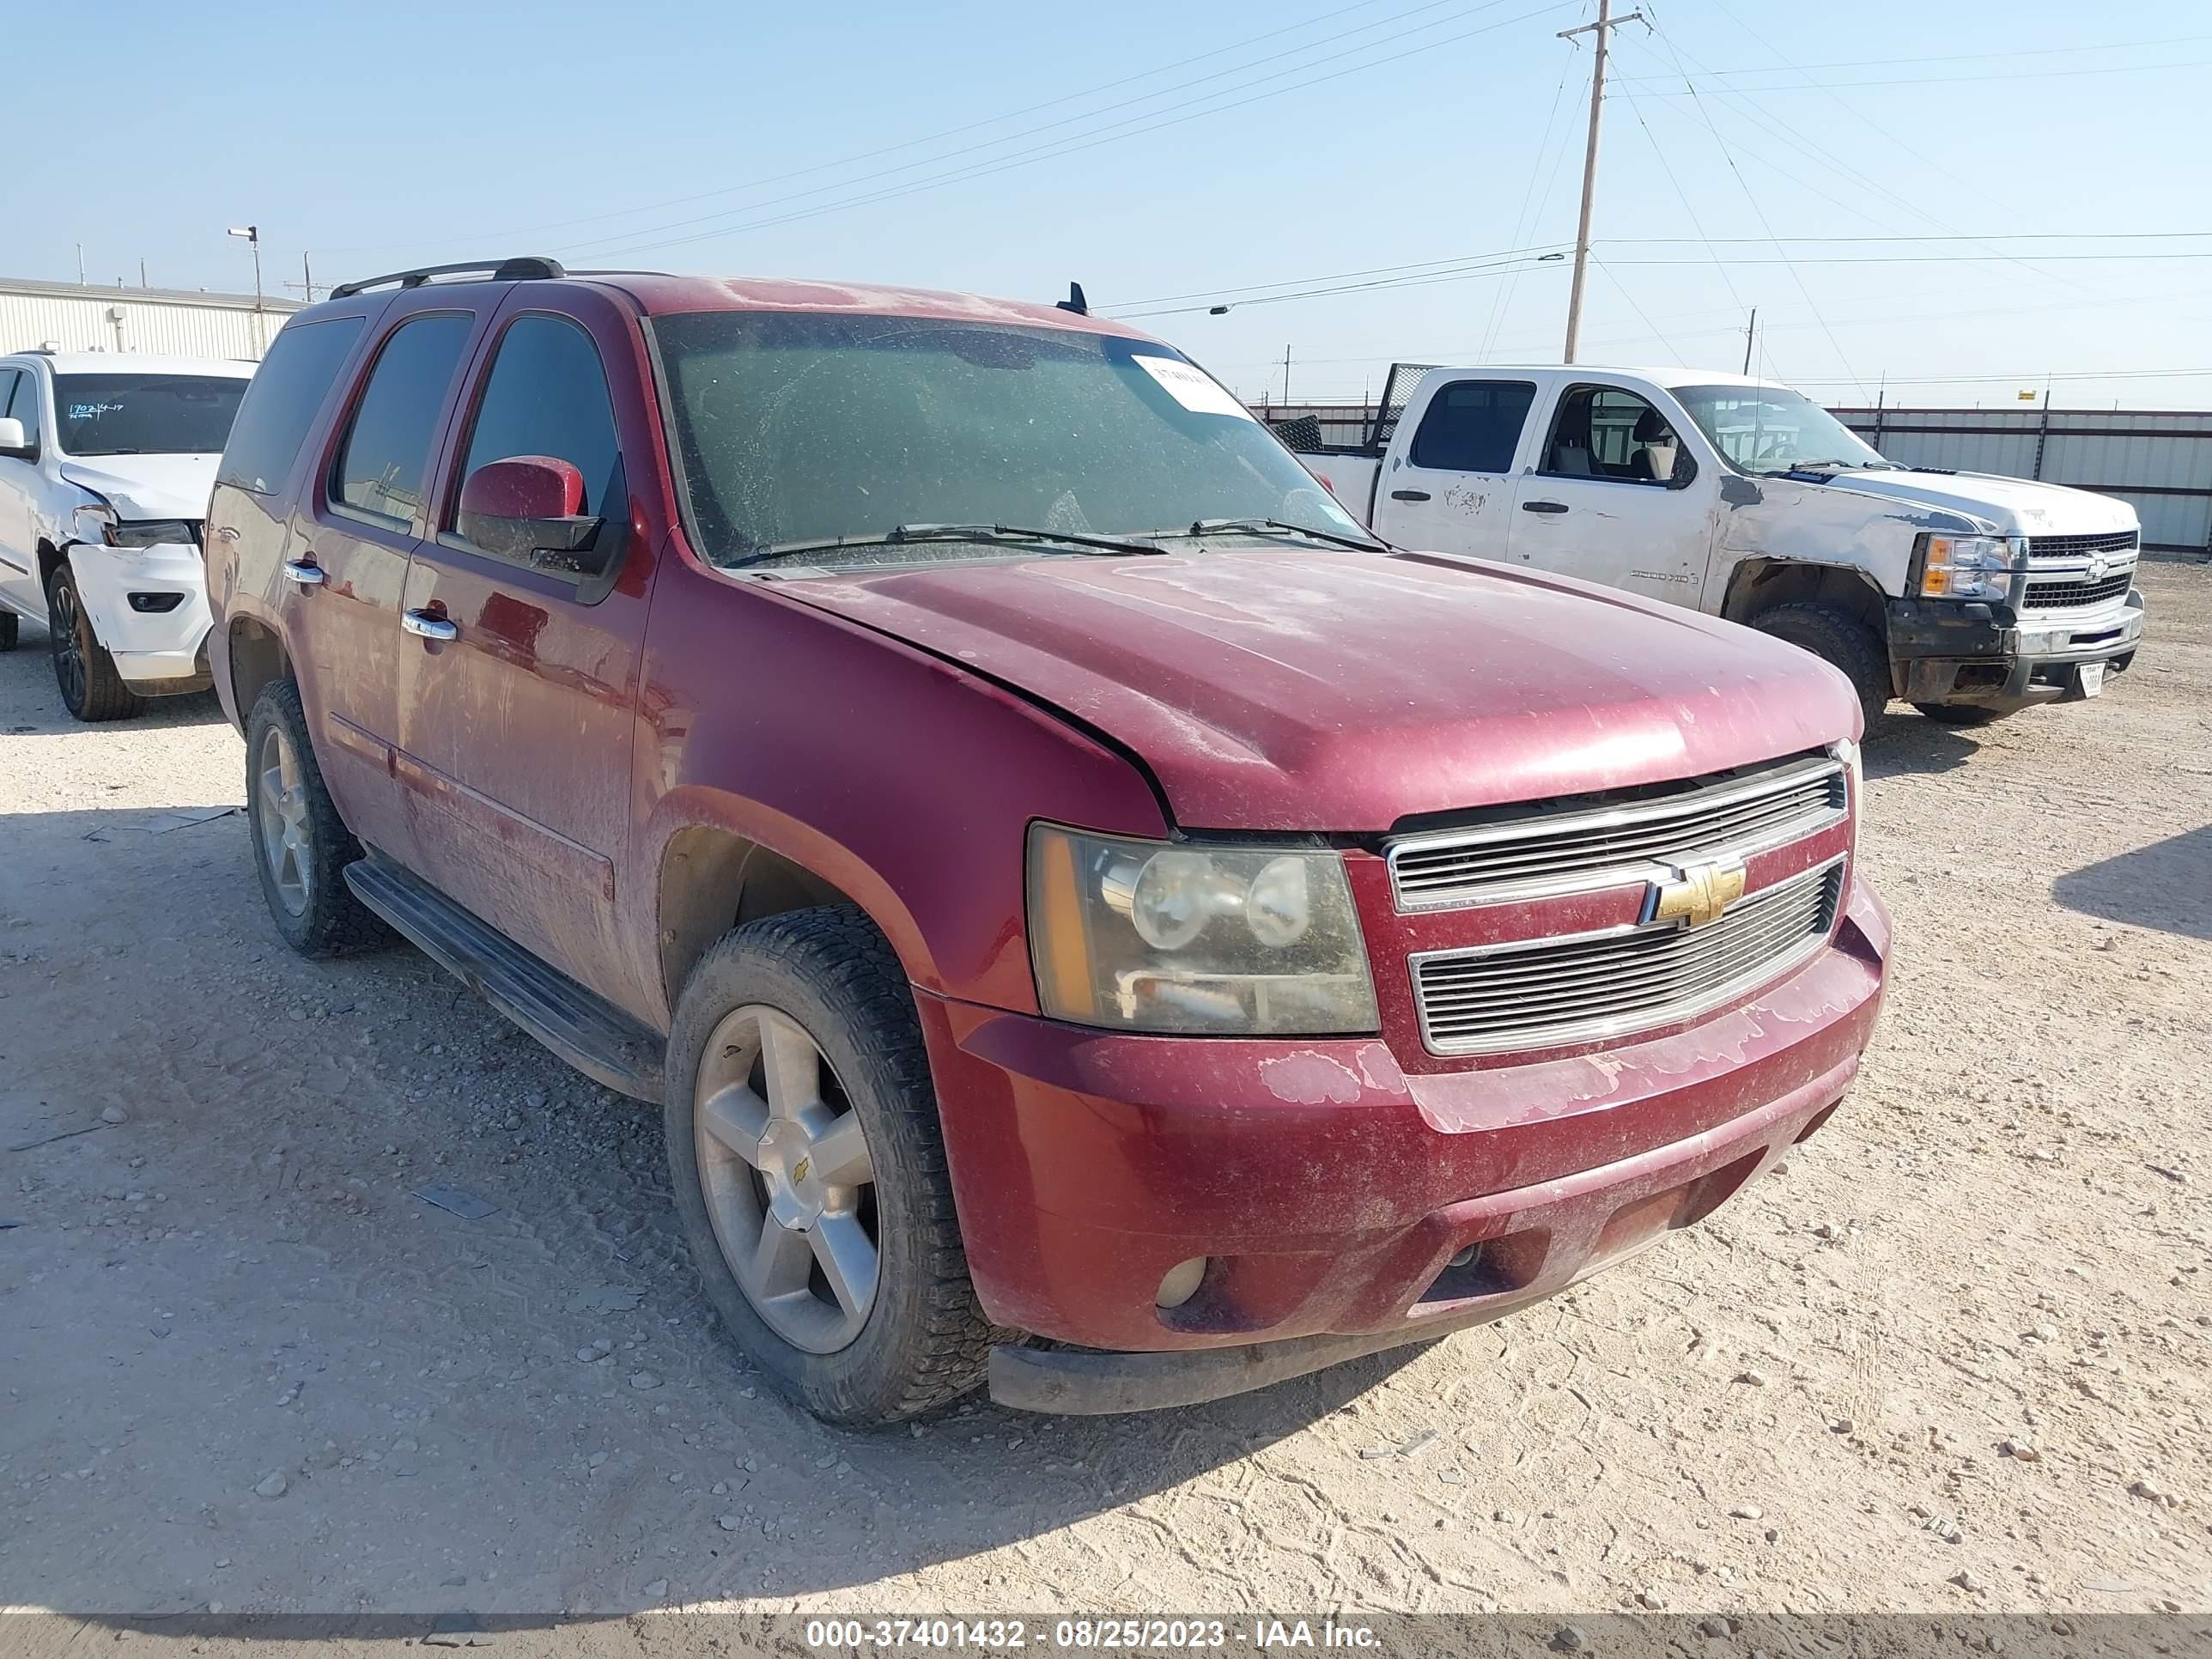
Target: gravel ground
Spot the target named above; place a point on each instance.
(1954, 1359)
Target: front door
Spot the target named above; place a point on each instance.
(1455, 492)
(20, 489)
(345, 566)
(518, 725)
(1615, 497)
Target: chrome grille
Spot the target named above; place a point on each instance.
(2069, 593)
(1614, 844)
(1545, 992)
(2077, 547)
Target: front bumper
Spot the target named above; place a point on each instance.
(1347, 1206)
(157, 652)
(1993, 657)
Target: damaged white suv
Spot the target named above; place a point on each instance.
(106, 461)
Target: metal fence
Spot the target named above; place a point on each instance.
(2159, 461)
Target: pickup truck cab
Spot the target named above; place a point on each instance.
(1967, 595)
(1090, 920)
(106, 460)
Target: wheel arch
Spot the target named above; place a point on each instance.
(1759, 583)
(258, 659)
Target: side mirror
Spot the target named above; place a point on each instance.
(15, 442)
(530, 508)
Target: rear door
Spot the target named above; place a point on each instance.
(362, 516)
(1450, 489)
(1616, 496)
(516, 728)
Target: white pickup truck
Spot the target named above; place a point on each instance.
(1967, 595)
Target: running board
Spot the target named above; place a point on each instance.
(584, 1029)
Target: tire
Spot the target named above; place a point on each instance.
(10, 629)
(1962, 714)
(91, 689)
(301, 845)
(827, 976)
(1839, 639)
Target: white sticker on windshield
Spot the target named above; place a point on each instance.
(1195, 391)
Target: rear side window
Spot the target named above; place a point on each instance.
(1474, 426)
(547, 395)
(388, 447)
(280, 403)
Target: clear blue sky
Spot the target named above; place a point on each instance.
(1225, 151)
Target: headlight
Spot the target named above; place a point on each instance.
(1153, 937)
(99, 525)
(1964, 567)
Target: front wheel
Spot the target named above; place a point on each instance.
(1839, 640)
(91, 689)
(809, 1170)
(1962, 714)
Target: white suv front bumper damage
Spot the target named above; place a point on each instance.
(150, 607)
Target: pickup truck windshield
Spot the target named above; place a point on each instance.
(796, 429)
(1764, 428)
(146, 414)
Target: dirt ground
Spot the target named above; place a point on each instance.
(246, 1370)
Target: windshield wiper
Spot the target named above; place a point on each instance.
(1004, 534)
(1226, 526)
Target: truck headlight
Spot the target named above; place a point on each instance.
(1152, 936)
(1963, 567)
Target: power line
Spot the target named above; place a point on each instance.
(1943, 58)
(1953, 79)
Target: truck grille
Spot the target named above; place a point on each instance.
(2070, 592)
(1545, 993)
(1616, 843)
(2076, 547)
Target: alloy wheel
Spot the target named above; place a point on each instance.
(64, 624)
(282, 799)
(789, 1184)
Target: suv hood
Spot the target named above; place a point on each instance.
(2008, 507)
(1278, 689)
(148, 486)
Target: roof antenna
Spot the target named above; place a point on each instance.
(1075, 301)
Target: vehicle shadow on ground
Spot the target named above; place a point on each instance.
(2166, 885)
(1899, 744)
(27, 672)
(233, 1279)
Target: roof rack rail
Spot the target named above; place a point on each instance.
(521, 270)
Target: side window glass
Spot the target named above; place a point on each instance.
(1603, 432)
(281, 401)
(387, 448)
(24, 405)
(1474, 426)
(547, 396)
(7, 378)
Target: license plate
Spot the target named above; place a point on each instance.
(2092, 678)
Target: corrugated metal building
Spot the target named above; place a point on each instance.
(186, 322)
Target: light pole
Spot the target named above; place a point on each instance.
(253, 235)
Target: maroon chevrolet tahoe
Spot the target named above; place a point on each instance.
(1096, 919)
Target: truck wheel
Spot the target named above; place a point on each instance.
(10, 629)
(809, 1170)
(301, 845)
(1839, 639)
(1961, 714)
(91, 689)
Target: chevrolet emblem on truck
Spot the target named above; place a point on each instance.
(1698, 892)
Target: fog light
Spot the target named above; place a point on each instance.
(155, 603)
(1180, 1283)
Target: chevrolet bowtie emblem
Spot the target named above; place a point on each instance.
(1698, 892)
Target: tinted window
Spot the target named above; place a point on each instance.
(145, 414)
(1603, 432)
(387, 448)
(281, 401)
(1474, 426)
(548, 396)
(24, 405)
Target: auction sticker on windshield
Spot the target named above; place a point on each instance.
(1194, 390)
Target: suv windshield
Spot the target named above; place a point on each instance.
(146, 414)
(1766, 429)
(796, 429)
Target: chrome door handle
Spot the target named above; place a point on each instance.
(426, 626)
(305, 574)
(227, 532)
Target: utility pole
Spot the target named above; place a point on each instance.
(80, 264)
(141, 273)
(251, 235)
(1286, 374)
(306, 282)
(1750, 333)
(1603, 28)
